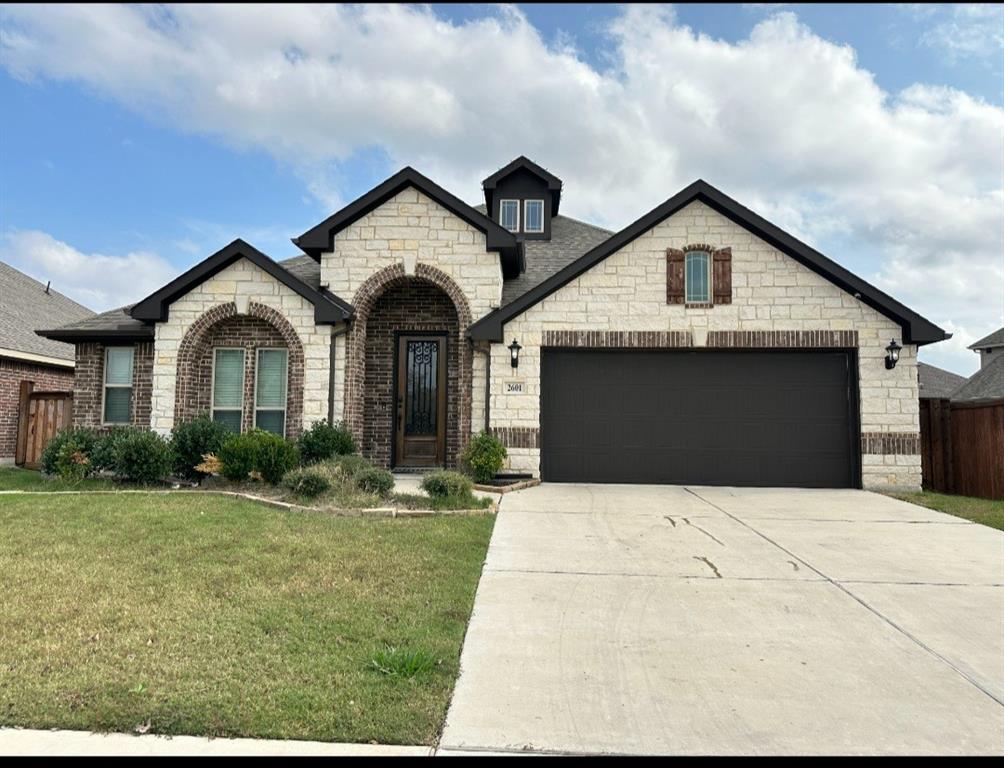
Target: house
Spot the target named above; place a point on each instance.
(937, 383)
(700, 344)
(25, 304)
(989, 347)
(988, 382)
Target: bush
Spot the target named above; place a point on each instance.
(306, 482)
(192, 440)
(446, 483)
(484, 457)
(71, 463)
(352, 464)
(105, 448)
(259, 452)
(142, 456)
(322, 441)
(82, 437)
(373, 480)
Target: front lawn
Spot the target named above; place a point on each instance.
(189, 614)
(16, 479)
(989, 512)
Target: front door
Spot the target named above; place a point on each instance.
(420, 426)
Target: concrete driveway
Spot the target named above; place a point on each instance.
(662, 619)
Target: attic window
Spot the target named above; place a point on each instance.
(533, 216)
(509, 214)
(698, 277)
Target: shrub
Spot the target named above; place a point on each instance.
(142, 456)
(306, 482)
(194, 439)
(105, 448)
(447, 483)
(352, 464)
(373, 480)
(82, 437)
(322, 441)
(71, 464)
(483, 457)
(257, 452)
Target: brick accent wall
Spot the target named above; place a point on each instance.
(891, 443)
(47, 378)
(783, 339)
(222, 326)
(89, 382)
(518, 437)
(618, 339)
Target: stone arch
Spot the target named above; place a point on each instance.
(366, 298)
(223, 325)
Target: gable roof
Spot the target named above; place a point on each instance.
(916, 329)
(328, 308)
(321, 238)
(995, 339)
(937, 383)
(525, 164)
(25, 305)
(986, 384)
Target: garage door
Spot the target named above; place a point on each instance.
(751, 418)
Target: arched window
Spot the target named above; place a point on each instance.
(697, 268)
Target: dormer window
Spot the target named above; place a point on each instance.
(509, 214)
(533, 216)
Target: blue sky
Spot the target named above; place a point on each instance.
(153, 156)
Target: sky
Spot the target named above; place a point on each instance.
(137, 140)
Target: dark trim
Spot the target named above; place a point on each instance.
(114, 335)
(445, 336)
(335, 334)
(321, 238)
(916, 329)
(488, 388)
(523, 163)
(328, 308)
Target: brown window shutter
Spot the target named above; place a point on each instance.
(721, 278)
(674, 276)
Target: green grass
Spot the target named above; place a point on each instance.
(222, 617)
(988, 512)
(439, 503)
(16, 479)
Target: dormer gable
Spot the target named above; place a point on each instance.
(522, 198)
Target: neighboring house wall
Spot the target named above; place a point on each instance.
(48, 378)
(987, 356)
(771, 292)
(89, 382)
(241, 283)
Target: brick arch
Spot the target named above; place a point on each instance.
(260, 326)
(366, 298)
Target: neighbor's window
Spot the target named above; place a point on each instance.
(533, 216)
(118, 385)
(698, 277)
(270, 391)
(228, 387)
(509, 214)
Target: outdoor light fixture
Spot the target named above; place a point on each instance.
(892, 354)
(514, 349)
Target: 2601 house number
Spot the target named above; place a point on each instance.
(514, 387)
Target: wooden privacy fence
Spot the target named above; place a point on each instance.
(40, 416)
(962, 447)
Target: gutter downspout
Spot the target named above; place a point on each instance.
(335, 333)
(488, 387)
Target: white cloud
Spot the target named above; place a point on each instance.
(96, 280)
(785, 121)
(970, 30)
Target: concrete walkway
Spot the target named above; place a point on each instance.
(647, 619)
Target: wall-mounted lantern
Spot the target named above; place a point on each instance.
(892, 354)
(514, 349)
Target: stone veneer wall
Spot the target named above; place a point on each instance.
(88, 382)
(47, 378)
(241, 283)
(771, 292)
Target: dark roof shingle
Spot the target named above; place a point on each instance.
(995, 339)
(986, 384)
(937, 383)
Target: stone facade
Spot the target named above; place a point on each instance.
(246, 290)
(47, 378)
(88, 384)
(775, 302)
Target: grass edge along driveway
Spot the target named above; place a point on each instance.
(222, 617)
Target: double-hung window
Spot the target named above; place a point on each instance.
(533, 216)
(228, 387)
(509, 214)
(270, 390)
(118, 385)
(698, 277)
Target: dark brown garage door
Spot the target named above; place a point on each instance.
(760, 418)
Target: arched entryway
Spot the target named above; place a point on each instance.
(408, 369)
(254, 340)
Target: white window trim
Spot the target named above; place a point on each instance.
(212, 386)
(526, 218)
(285, 400)
(710, 272)
(105, 385)
(503, 202)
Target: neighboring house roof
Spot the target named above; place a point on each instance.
(937, 383)
(26, 305)
(995, 339)
(524, 163)
(321, 238)
(916, 329)
(986, 384)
